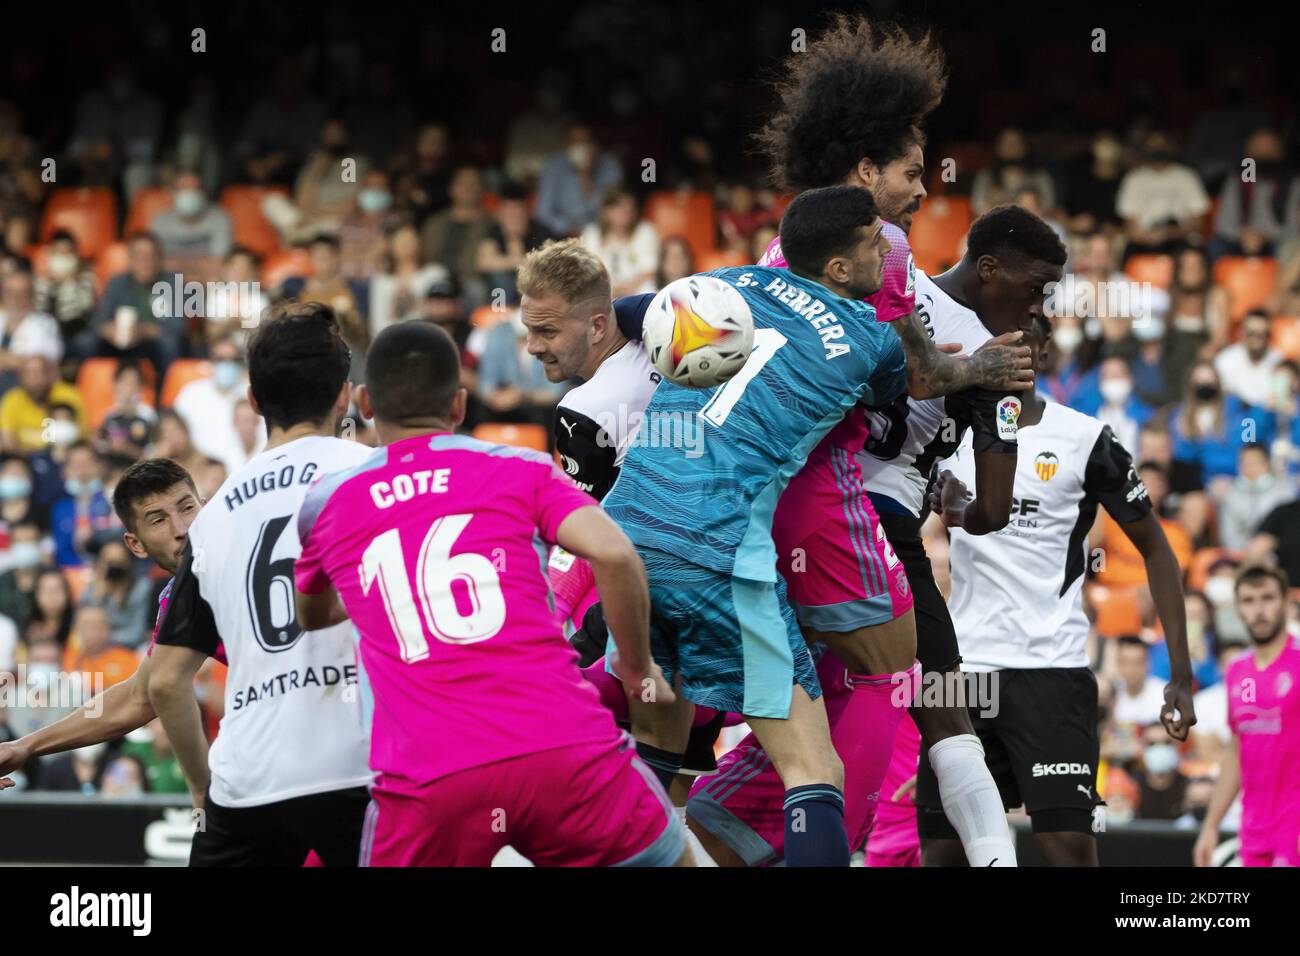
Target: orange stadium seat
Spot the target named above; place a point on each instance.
(686, 214)
(95, 383)
(1286, 336)
(1156, 269)
(1117, 610)
(179, 374)
(285, 265)
(1250, 282)
(251, 228)
(938, 229)
(486, 316)
(721, 259)
(147, 203)
(90, 214)
(506, 433)
(110, 261)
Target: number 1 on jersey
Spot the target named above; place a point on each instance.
(766, 344)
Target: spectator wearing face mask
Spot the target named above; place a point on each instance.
(1115, 404)
(573, 183)
(1198, 314)
(362, 234)
(1255, 492)
(1162, 786)
(124, 777)
(84, 511)
(1209, 427)
(207, 406)
(67, 290)
(15, 497)
(25, 408)
(1246, 367)
(194, 228)
(48, 463)
(123, 596)
(18, 581)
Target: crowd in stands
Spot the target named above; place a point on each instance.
(1187, 260)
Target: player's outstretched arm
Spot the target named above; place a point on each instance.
(1000, 363)
(1225, 791)
(114, 713)
(1165, 579)
(171, 690)
(625, 597)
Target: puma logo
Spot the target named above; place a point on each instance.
(567, 427)
(1086, 791)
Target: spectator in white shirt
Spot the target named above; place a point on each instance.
(24, 331)
(1161, 201)
(207, 406)
(194, 227)
(1139, 696)
(627, 244)
(1246, 368)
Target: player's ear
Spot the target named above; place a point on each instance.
(867, 172)
(133, 545)
(986, 267)
(459, 404)
(363, 403)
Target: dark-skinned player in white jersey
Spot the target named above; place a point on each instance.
(1017, 602)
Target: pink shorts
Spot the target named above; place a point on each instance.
(839, 569)
(1283, 856)
(592, 804)
(894, 840)
(743, 804)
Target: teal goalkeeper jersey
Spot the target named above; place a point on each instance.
(703, 474)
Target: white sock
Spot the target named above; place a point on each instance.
(971, 801)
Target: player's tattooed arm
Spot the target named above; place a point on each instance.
(932, 371)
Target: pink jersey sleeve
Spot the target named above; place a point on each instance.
(308, 570)
(557, 498)
(897, 295)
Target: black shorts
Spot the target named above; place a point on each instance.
(936, 641)
(1042, 747)
(283, 833)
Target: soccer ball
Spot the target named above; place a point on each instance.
(698, 331)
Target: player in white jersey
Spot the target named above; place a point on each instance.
(1000, 285)
(1017, 603)
(289, 768)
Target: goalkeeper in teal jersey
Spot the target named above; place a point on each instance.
(700, 512)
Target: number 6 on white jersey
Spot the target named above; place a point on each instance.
(436, 570)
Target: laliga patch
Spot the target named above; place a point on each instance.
(911, 276)
(561, 560)
(1008, 418)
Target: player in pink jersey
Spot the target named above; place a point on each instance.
(1263, 760)
(847, 586)
(485, 733)
(156, 501)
